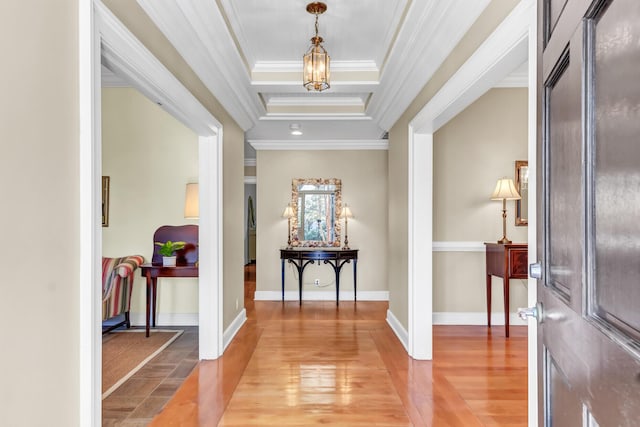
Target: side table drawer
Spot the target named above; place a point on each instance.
(518, 263)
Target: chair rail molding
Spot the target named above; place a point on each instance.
(456, 246)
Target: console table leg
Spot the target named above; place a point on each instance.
(355, 279)
(337, 287)
(148, 310)
(506, 306)
(488, 300)
(282, 280)
(300, 271)
(154, 294)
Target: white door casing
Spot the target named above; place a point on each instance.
(504, 50)
(102, 37)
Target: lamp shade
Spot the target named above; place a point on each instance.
(192, 202)
(505, 190)
(346, 212)
(288, 212)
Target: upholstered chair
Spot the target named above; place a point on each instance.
(117, 284)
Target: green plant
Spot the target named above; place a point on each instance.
(169, 248)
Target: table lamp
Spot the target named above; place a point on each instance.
(191, 202)
(288, 213)
(505, 190)
(346, 214)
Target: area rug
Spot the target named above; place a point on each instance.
(125, 352)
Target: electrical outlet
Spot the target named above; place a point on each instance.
(316, 282)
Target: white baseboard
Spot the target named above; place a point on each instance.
(398, 329)
(233, 329)
(471, 318)
(321, 295)
(167, 319)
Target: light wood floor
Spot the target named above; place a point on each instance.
(318, 364)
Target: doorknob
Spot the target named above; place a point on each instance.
(535, 312)
(535, 270)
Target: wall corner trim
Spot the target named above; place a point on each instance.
(233, 329)
(398, 329)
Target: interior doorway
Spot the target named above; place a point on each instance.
(103, 38)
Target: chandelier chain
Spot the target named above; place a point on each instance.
(316, 25)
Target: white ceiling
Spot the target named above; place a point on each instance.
(249, 55)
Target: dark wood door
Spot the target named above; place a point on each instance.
(589, 203)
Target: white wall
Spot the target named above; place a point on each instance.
(149, 157)
(364, 188)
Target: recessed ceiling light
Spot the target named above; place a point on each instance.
(295, 129)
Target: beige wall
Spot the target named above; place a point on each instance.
(249, 171)
(39, 184)
(364, 188)
(135, 19)
(471, 152)
(149, 157)
(495, 12)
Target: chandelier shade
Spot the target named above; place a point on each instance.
(316, 62)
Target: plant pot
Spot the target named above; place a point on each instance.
(168, 261)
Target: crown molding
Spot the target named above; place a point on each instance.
(432, 29)
(109, 79)
(504, 50)
(295, 86)
(336, 101)
(125, 55)
(335, 144)
(296, 66)
(518, 79)
(250, 162)
(314, 116)
(209, 49)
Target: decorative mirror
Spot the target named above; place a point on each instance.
(522, 185)
(316, 205)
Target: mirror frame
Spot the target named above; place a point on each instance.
(521, 221)
(295, 183)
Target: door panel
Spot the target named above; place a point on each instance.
(589, 194)
(615, 60)
(552, 13)
(564, 407)
(564, 167)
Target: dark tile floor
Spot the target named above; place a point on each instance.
(139, 399)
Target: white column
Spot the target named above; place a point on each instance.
(420, 245)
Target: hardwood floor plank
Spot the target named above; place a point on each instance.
(293, 365)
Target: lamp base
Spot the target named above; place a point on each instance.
(504, 241)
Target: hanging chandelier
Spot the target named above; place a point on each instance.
(316, 70)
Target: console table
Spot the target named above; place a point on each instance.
(187, 262)
(152, 272)
(335, 257)
(508, 261)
